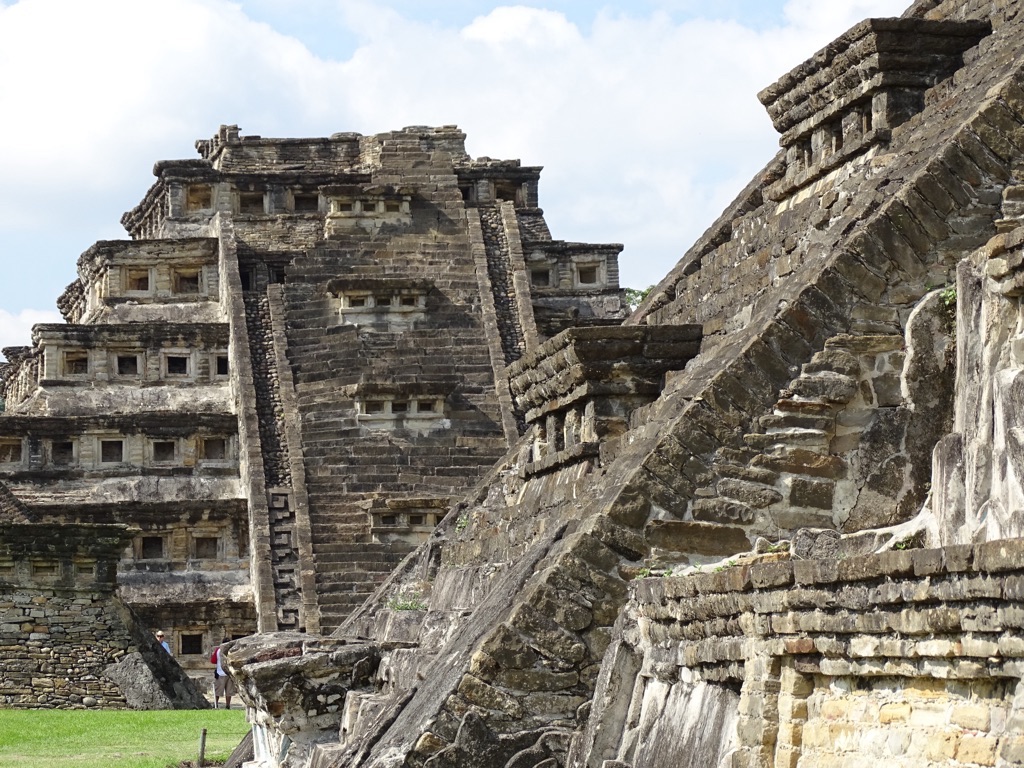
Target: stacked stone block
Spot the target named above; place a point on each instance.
(837, 448)
(910, 657)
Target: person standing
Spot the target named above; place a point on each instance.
(223, 684)
(163, 643)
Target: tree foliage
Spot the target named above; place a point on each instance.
(636, 295)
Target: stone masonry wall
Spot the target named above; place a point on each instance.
(864, 258)
(905, 658)
(499, 271)
(41, 672)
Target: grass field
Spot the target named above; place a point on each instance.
(48, 738)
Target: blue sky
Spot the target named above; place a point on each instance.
(643, 113)
(325, 33)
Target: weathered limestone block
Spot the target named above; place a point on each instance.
(721, 511)
(696, 537)
(979, 470)
(138, 678)
(754, 494)
(296, 686)
(828, 386)
(476, 745)
(811, 493)
(815, 544)
(800, 461)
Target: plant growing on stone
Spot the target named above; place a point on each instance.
(948, 299)
(462, 522)
(407, 599)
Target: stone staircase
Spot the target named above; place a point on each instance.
(347, 573)
(347, 466)
(805, 464)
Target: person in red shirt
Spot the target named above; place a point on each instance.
(223, 684)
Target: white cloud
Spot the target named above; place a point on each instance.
(16, 330)
(828, 20)
(142, 74)
(647, 126)
(531, 27)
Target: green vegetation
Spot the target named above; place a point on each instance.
(647, 572)
(913, 541)
(407, 599)
(635, 295)
(50, 738)
(948, 298)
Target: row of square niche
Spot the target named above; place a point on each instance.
(115, 450)
(173, 364)
(200, 198)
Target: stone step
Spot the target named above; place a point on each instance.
(825, 386)
(797, 419)
(361, 572)
(353, 570)
(354, 591)
(343, 524)
(370, 550)
(351, 531)
(759, 475)
(338, 606)
(807, 438)
(314, 376)
(866, 344)
(347, 568)
(804, 407)
(328, 431)
(801, 461)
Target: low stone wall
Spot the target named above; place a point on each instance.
(905, 658)
(40, 670)
(66, 640)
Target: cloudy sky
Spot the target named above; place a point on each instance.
(643, 112)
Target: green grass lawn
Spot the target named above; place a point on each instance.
(49, 738)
